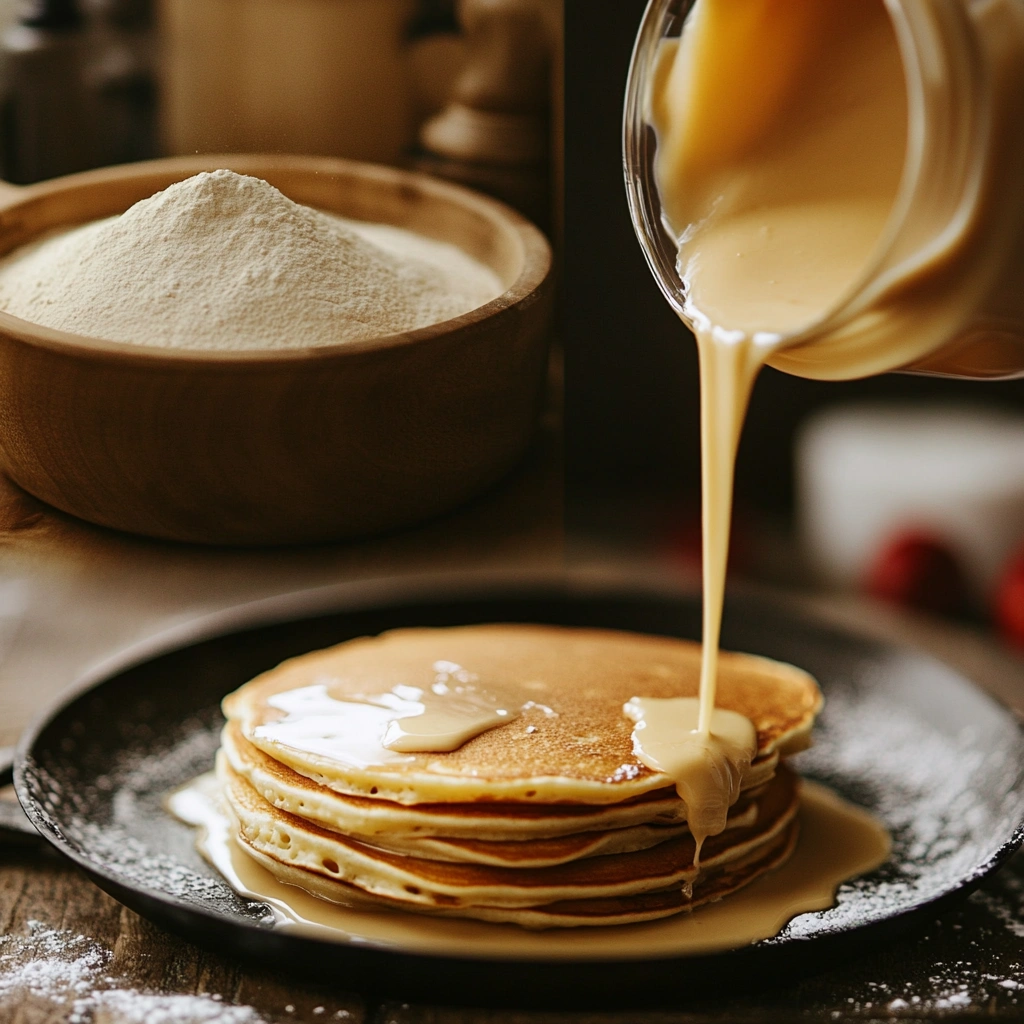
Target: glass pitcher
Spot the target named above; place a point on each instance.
(943, 292)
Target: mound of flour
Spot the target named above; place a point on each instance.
(225, 261)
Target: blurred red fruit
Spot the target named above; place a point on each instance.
(917, 570)
(1009, 603)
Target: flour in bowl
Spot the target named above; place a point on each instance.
(225, 261)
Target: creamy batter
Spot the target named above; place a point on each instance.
(821, 229)
(777, 179)
(842, 180)
(778, 207)
(707, 769)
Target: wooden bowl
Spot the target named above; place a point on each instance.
(268, 447)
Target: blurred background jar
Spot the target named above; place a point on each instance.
(495, 131)
(47, 113)
(77, 86)
(305, 76)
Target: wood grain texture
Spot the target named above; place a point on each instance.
(51, 913)
(279, 447)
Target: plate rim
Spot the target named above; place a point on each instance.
(439, 588)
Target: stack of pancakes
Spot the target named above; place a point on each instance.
(546, 820)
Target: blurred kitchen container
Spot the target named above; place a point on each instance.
(866, 473)
(121, 76)
(47, 115)
(326, 77)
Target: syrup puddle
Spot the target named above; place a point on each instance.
(838, 841)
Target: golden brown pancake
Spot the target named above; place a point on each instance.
(569, 913)
(547, 818)
(511, 852)
(571, 744)
(284, 839)
(652, 905)
(383, 822)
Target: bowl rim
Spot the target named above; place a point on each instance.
(535, 273)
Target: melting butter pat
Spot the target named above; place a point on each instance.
(706, 767)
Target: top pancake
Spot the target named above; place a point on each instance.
(572, 744)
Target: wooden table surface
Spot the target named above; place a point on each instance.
(70, 594)
(968, 961)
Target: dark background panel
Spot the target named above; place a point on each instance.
(629, 410)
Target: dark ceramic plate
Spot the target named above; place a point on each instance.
(902, 734)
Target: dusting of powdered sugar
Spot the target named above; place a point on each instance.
(225, 261)
(143, 776)
(48, 968)
(48, 964)
(129, 1006)
(112, 847)
(937, 792)
(952, 987)
(118, 821)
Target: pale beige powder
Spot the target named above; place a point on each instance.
(225, 261)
